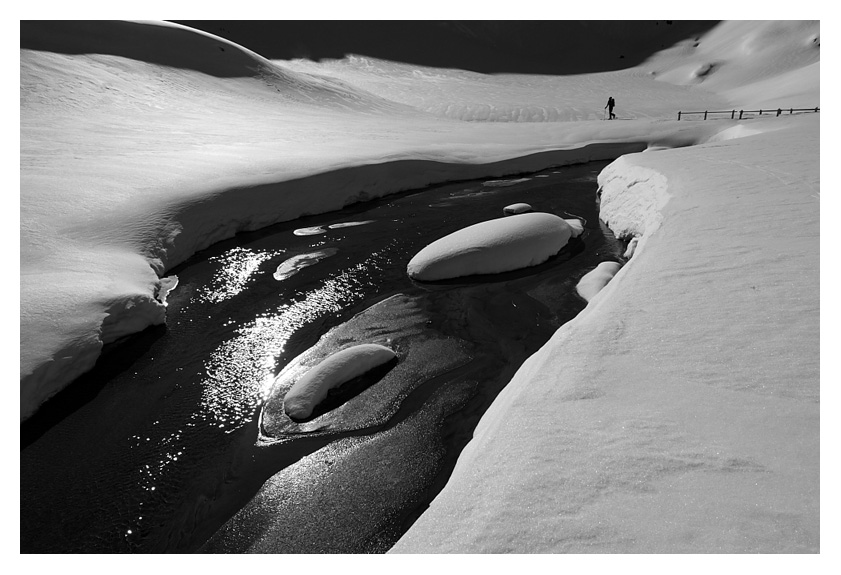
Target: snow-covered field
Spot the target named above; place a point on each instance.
(678, 412)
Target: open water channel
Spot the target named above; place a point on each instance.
(161, 448)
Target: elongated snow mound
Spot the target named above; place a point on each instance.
(495, 246)
(593, 282)
(334, 371)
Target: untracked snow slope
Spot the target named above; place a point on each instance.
(129, 166)
(679, 412)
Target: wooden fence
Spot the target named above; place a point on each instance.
(776, 112)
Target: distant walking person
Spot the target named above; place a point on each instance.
(610, 104)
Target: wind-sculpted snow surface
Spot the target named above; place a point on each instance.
(496, 246)
(341, 367)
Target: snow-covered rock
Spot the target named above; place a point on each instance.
(519, 208)
(494, 246)
(306, 393)
(594, 280)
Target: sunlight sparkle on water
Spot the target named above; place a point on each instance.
(240, 371)
(237, 266)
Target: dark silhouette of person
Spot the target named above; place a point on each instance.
(610, 104)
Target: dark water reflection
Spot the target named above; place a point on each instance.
(156, 448)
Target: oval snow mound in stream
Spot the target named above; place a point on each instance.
(334, 371)
(495, 246)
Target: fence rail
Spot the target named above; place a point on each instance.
(777, 112)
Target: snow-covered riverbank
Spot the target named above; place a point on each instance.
(679, 411)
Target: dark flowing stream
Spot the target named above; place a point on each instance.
(158, 448)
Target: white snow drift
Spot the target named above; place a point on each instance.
(495, 246)
(339, 368)
(594, 280)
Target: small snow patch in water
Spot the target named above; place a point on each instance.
(296, 263)
(309, 231)
(503, 183)
(517, 209)
(349, 224)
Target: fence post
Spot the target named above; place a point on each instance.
(791, 111)
(740, 113)
(779, 111)
(816, 109)
(732, 114)
(705, 114)
(760, 112)
(678, 116)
